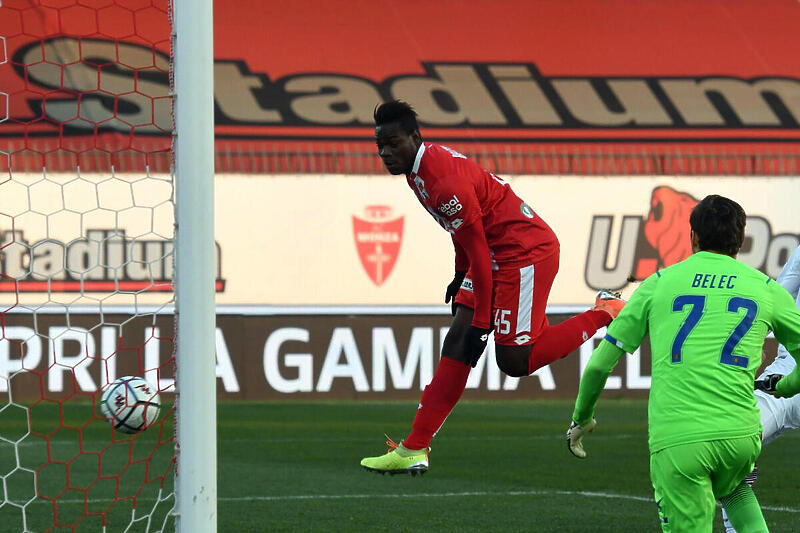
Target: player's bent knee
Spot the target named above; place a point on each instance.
(513, 360)
(454, 345)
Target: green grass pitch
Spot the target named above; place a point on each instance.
(293, 466)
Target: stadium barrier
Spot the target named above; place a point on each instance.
(299, 353)
(359, 157)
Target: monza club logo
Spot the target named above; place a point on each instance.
(661, 239)
(378, 237)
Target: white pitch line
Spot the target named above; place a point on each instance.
(297, 497)
(618, 436)
(587, 494)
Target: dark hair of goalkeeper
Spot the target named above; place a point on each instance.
(718, 225)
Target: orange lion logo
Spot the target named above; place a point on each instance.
(667, 226)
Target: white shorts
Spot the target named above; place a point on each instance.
(778, 415)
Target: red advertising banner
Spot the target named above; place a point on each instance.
(526, 87)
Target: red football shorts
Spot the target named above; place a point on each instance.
(519, 300)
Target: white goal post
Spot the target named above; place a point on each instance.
(193, 63)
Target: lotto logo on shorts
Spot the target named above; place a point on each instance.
(451, 207)
(522, 339)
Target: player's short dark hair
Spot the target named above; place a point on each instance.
(719, 224)
(396, 111)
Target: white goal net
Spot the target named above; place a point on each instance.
(87, 218)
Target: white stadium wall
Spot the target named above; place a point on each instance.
(365, 240)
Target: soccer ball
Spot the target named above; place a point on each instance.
(130, 404)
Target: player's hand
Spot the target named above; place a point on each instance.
(769, 384)
(476, 343)
(575, 435)
(453, 289)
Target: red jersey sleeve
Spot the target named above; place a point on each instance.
(459, 210)
(462, 260)
(473, 240)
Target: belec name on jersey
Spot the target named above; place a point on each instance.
(710, 281)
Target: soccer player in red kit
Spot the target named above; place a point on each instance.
(506, 258)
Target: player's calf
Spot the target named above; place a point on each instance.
(743, 510)
(751, 481)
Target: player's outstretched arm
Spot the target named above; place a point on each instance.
(782, 386)
(769, 384)
(788, 385)
(603, 360)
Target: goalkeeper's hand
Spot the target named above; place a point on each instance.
(769, 384)
(453, 289)
(476, 343)
(575, 437)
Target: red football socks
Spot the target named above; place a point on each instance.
(559, 340)
(438, 399)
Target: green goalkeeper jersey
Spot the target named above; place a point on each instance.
(707, 318)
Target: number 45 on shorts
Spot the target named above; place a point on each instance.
(501, 323)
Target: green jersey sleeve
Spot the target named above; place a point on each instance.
(603, 360)
(786, 326)
(629, 328)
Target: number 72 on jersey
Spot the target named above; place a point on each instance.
(697, 303)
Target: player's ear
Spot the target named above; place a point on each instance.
(695, 241)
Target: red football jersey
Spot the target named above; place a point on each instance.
(457, 192)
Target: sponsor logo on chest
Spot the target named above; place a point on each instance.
(451, 207)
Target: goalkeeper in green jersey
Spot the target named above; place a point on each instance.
(707, 317)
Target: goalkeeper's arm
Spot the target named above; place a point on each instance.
(601, 363)
(789, 385)
(786, 326)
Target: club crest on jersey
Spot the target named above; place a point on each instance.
(526, 210)
(378, 237)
